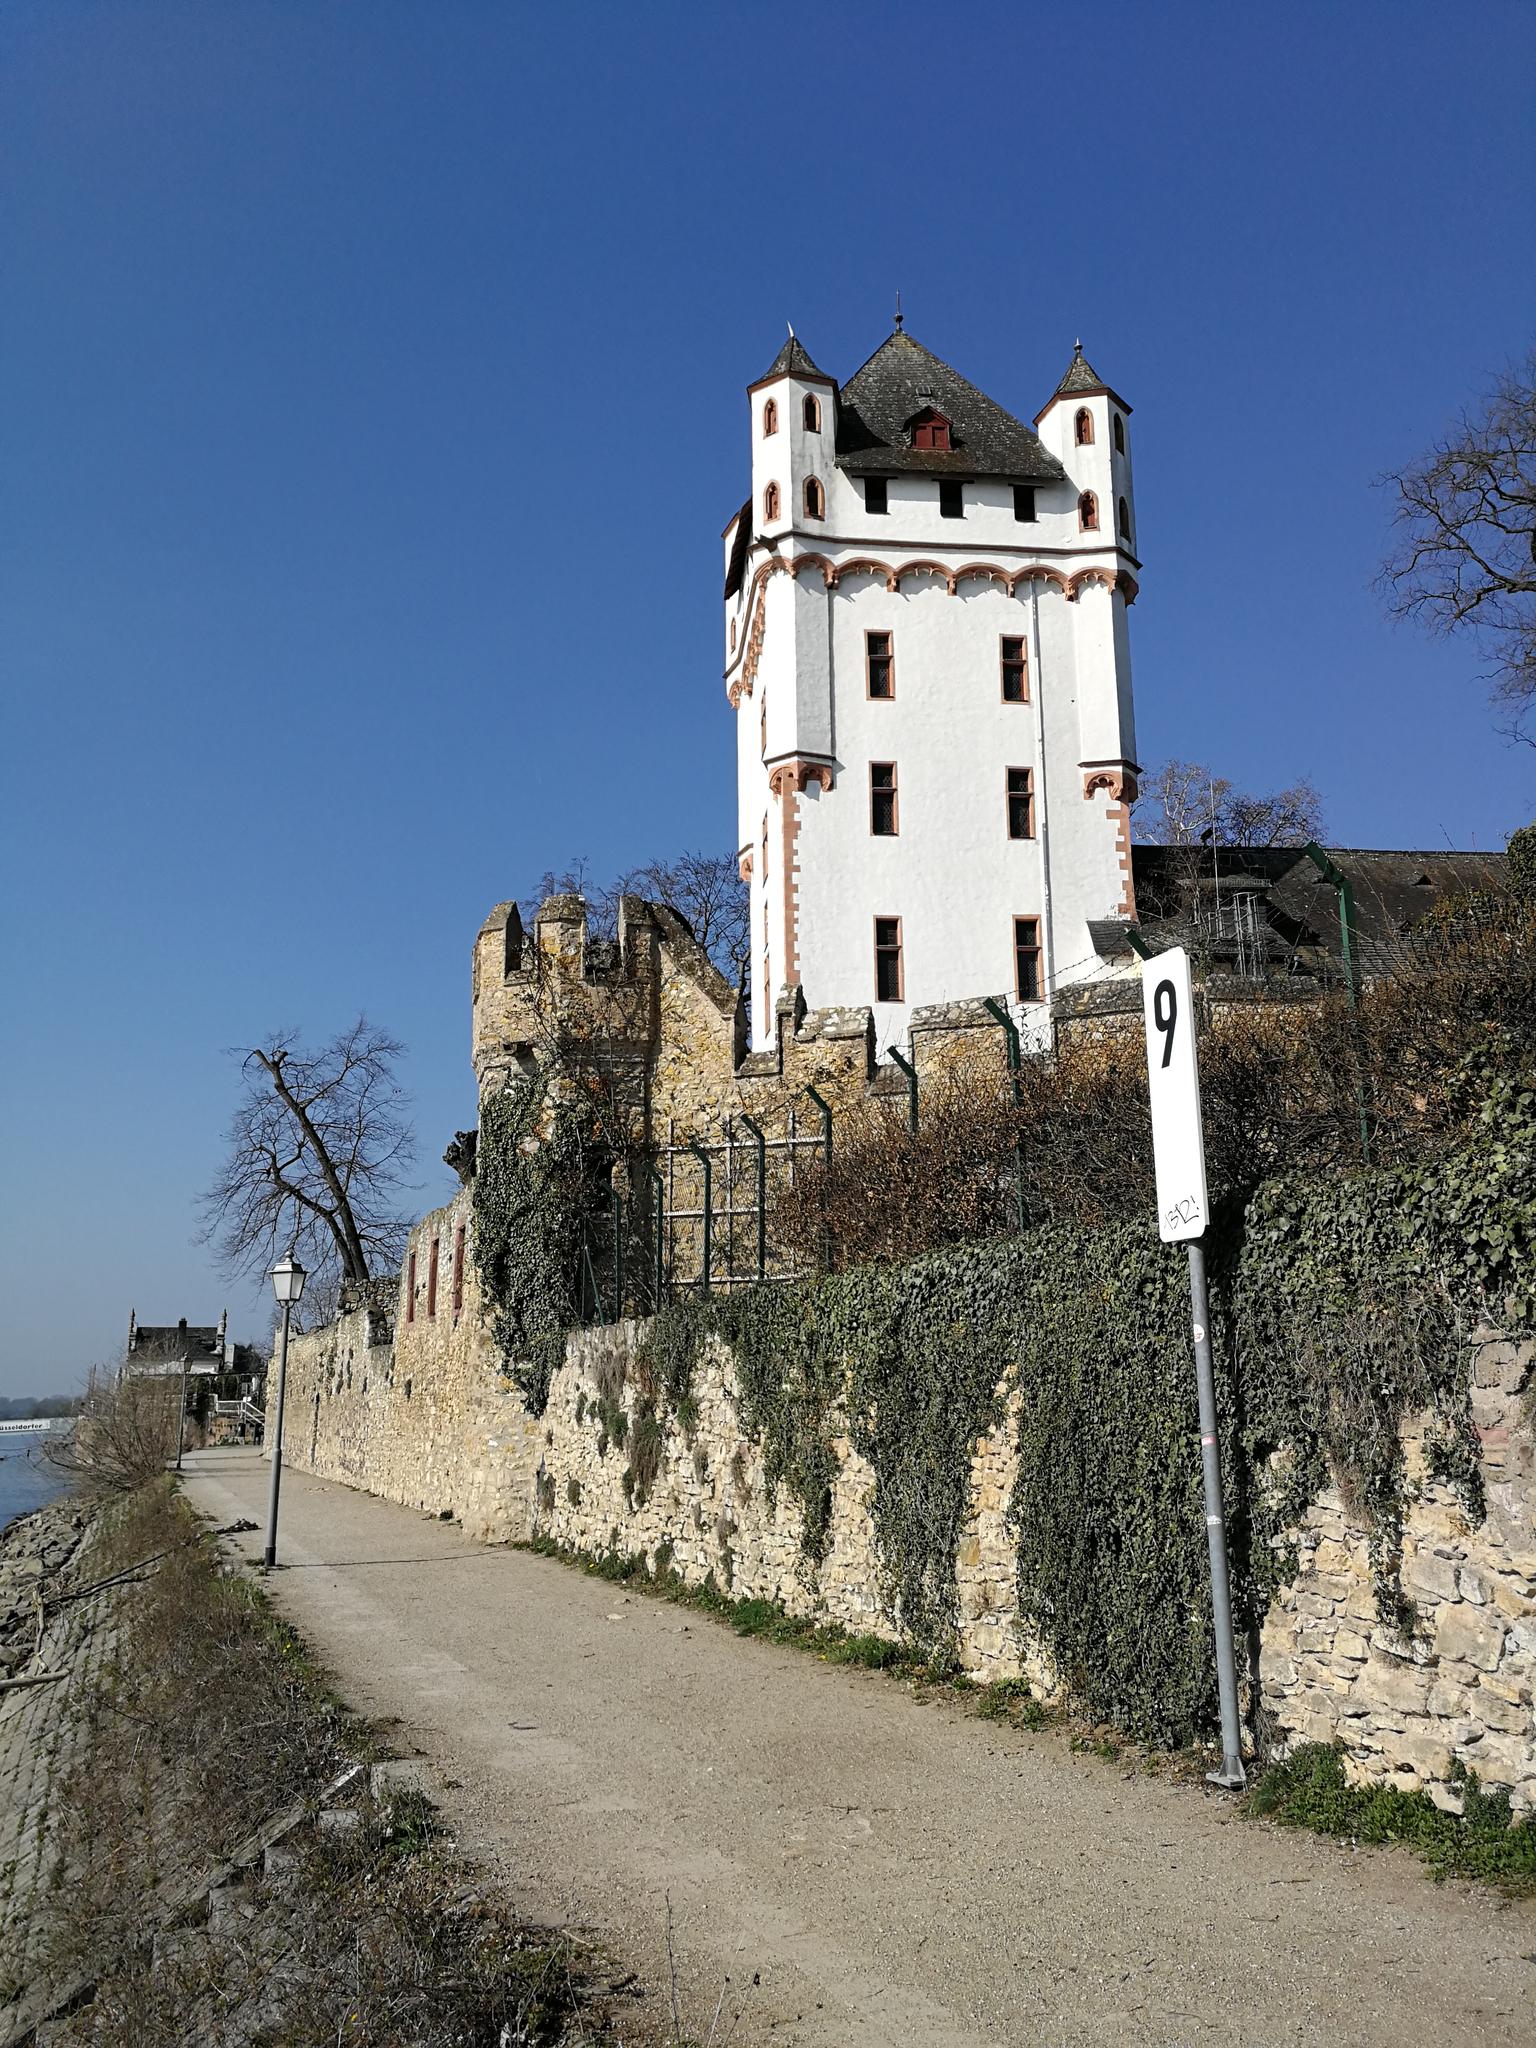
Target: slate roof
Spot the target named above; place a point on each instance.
(901, 379)
(1298, 911)
(1081, 375)
(792, 361)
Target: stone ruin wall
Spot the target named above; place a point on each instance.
(416, 1409)
(459, 1443)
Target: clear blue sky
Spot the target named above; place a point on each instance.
(371, 403)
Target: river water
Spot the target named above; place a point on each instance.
(27, 1480)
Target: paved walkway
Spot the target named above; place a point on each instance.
(896, 1872)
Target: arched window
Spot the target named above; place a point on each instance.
(1083, 427)
(770, 417)
(733, 636)
(1088, 513)
(771, 503)
(815, 499)
(1123, 520)
(1119, 435)
(812, 413)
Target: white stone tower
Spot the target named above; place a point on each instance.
(926, 648)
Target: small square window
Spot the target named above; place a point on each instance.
(951, 499)
(880, 664)
(1015, 664)
(882, 799)
(875, 495)
(887, 959)
(1024, 503)
(1026, 959)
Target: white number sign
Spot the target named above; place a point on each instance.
(1178, 1140)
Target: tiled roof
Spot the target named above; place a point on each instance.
(792, 361)
(901, 379)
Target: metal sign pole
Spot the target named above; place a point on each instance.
(1178, 1142)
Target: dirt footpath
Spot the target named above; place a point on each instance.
(896, 1872)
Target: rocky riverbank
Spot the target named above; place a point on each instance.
(37, 1555)
(198, 1843)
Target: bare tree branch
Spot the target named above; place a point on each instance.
(316, 1154)
(704, 888)
(1465, 559)
(1183, 803)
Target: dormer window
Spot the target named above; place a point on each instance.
(1082, 430)
(811, 413)
(930, 429)
(770, 417)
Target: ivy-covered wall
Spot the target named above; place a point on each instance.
(993, 1451)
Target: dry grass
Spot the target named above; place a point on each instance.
(1282, 1081)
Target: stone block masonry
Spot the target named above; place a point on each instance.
(429, 1420)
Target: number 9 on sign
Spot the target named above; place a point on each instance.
(1173, 1076)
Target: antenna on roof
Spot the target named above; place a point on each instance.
(898, 310)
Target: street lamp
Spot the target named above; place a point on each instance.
(288, 1278)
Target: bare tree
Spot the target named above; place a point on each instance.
(317, 1152)
(1183, 803)
(1465, 559)
(705, 888)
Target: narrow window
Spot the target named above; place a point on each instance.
(1083, 427)
(432, 1282)
(875, 494)
(887, 959)
(1024, 503)
(1123, 518)
(410, 1288)
(951, 499)
(770, 417)
(1026, 959)
(1015, 654)
(458, 1272)
(1021, 804)
(882, 799)
(1088, 513)
(879, 665)
(763, 728)
(811, 413)
(771, 503)
(815, 499)
(765, 861)
(733, 636)
(1119, 435)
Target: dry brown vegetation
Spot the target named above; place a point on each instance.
(204, 1720)
(1283, 1083)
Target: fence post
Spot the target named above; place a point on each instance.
(618, 1256)
(1015, 1055)
(762, 1195)
(910, 1071)
(659, 1203)
(825, 1107)
(1340, 883)
(703, 1158)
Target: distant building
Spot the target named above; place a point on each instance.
(226, 1381)
(1265, 920)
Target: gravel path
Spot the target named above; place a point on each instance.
(895, 1871)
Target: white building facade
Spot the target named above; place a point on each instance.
(927, 652)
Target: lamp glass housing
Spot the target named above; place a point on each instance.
(288, 1278)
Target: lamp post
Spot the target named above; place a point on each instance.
(288, 1278)
(181, 1418)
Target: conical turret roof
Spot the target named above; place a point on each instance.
(792, 361)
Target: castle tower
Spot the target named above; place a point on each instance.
(926, 649)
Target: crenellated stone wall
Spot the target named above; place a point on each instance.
(431, 1422)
